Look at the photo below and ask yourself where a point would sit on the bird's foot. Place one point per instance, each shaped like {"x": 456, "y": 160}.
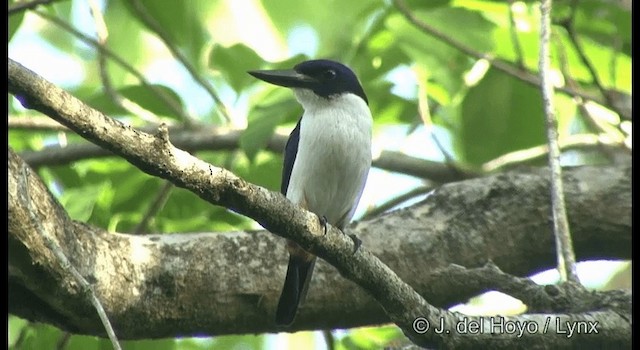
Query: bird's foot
{"x": 323, "y": 223}
{"x": 356, "y": 242}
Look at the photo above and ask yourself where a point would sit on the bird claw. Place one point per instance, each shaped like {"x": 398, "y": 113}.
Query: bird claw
{"x": 323, "y": 223}
{"x": 356, "y": 242}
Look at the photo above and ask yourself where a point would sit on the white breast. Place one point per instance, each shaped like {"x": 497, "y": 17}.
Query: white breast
{"x": 334, "y": 155}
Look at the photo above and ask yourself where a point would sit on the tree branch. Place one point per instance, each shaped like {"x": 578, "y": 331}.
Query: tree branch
{"x": 153, "y": 286}
{"x": 126, "y": 104}
{"x": 501, "y": 65}
{"x": 568, "y": 24}
{"x": 34, "y": 122}
{"x": 168, "y": 100}
{"x": 539, "y": 299}
{"x": 23, "y": 184}
{"x": 207, "y": 138}
{"x": 401, "y": 304}
{"x": 156, "y": 28}
{"x": 564, "y": 246}
{"x": 159, "y": 200}
{"x": 28, "y": 5}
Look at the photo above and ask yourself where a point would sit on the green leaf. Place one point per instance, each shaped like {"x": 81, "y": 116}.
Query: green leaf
{"x": 79, "y": 202}
{"x": 335, "y": 23}
{"x": 186, "y": 212}
{"x": 16, "y": 325}
{"x": 443, "y": 63}
{"x": 127, "y": 39}
{"x": 499, "y": 115}
{"x": 55, "y": 35}
{"x": 278, "y": 107}
{"x": 249, "y": 342}
{"x": 473, "y": 34}
{"x": 84, "y": 342}
{"x": 40, "y": 336}
{"x": 421, "y": 4}
{"x": 605, "y": 22}
{"x": 288, "y": 63}
{"x": 141, "y": 95}
{"x": 233, "y": 63}
{"x": 149, "y": 344}
{"x": 181, "y": 21}
{"x": 265, "y": 170}
{"x": 370, "y": 337}
{"x": 22, "y": 140}
{"x": 15, "y": 20}
{"x": 603, "y": 59}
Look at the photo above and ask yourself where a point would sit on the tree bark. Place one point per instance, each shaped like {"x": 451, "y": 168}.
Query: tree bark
{"x": 167, "y": 285}
{"x": 220, "y": 283}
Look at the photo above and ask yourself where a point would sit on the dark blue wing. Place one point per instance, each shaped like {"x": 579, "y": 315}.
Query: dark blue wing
{"x": 290, "y": 151}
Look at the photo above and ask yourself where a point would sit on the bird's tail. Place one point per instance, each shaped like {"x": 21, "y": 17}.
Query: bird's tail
{"x": 295, "y": 287}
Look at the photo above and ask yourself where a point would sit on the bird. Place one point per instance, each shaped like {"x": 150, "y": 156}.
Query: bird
{"x": 326, "y": 159}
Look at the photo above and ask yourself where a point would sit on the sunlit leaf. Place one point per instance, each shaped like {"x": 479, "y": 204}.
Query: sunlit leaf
{"x": 79, "y": 202}
{"x": 181, "y": 21}
{"x": 371, "y": 337}
{"x": 83, "y": 342}
{"x": 16, "y": 326}
{"x": 41, "y": 336}
{"x": 52, "y": 33}
{"x": 499, "y": 115}
{"x": 126, "y": 38}
{"x": 233, "y": 63}
{"x": 15, "y": 20}
{"x": 264, "y": 170}
{"x": 249, "y": 342}
{"x": 273, "y": 110}
{"x": 148, "y": 344}
{"x": 141, "y": 95}
{"x": 334, "y": 34}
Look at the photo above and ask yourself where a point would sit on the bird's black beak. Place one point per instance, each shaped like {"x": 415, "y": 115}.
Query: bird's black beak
{"x": 287, "y": 78}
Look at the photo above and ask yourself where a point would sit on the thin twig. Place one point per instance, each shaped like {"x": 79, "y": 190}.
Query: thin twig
{"x": 597, "y": 125}
{"x": 568, "y": 24}
{"x": 117, "y": 98}
{"x": 564, "y": 246}
{"x": 565, "y": 69}
{"x": 221, "y": 187}
{"x": 500, "y": 65}
{"x": 329, "y": 339}
{"x": 377, "y": 20}
{"x": 162, "y": 95}
{"x": 27, "y": 5}
{"x": 513, "y": 29}
{"x": 395, "y": 201}
{"x": 613, "y": 63}
{"x": 209, "y": 139}
{"x": 22, "y": 336}
{"x": 35, "y": 122}
{"x": 154, "y": 26}
{"x": 425, "y": 115}
{"x": 584, "y": 142}
{"x": 63, "y": 341}
{"x": 158, "y": 202}
{"x": 66, "y": 265}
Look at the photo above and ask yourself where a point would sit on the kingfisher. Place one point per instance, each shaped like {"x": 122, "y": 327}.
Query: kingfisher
{"x": 326, "y": 159}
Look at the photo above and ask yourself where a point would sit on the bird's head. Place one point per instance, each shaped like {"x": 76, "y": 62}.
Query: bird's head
{"x": 326, "y": 78}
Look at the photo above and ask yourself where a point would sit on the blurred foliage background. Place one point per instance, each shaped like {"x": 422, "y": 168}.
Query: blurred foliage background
{"x": 448, "y": 80}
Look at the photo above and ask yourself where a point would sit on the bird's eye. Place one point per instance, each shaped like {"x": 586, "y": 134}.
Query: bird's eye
{"x": 329, "y": 74}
